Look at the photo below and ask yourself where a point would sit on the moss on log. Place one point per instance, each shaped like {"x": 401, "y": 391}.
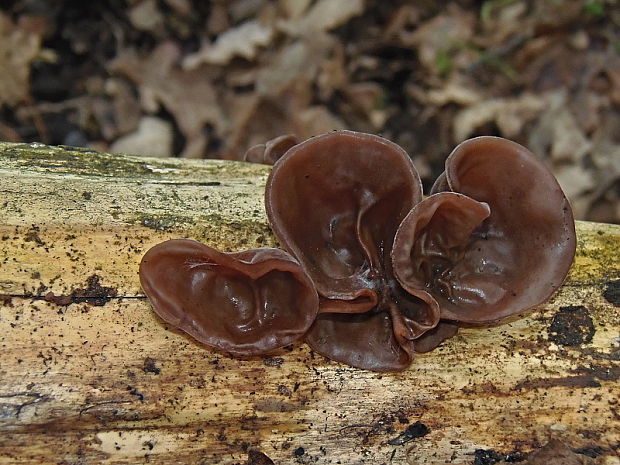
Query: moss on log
{"x": 89, "y": 374}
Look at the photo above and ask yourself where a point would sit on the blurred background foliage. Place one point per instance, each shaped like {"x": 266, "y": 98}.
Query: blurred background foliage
{"x": 208, "y": 79}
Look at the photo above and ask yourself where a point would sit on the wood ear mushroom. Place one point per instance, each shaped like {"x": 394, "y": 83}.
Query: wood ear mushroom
{"x": 373, "y": 273}
{"x": 244, "y": 303}
{"x": 497, "y": 236}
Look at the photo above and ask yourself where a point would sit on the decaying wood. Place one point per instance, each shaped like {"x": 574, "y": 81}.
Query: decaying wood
{"x": 89, "y": 374}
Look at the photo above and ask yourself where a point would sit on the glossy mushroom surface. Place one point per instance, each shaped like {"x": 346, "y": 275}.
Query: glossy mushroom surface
{"x": 500, "y": 242}
{"x": 434, "y": 337}
{"x": 373, "y": 273}
{"x": 335, "y": 203}
{"x": 244, "y": 303}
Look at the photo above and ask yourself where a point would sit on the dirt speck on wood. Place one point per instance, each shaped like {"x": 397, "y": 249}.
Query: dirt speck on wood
{"x": 571, "y": 326}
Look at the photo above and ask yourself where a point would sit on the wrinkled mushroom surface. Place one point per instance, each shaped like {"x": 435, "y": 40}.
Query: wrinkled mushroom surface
{"x": 501, "y": 242}
{"x": 373, "y": 273}
{"x": 244, "y": 303}
{"x": 335, "y": 203}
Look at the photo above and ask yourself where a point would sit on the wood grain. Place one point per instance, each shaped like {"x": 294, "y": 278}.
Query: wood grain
{"x": 89, "y": 374}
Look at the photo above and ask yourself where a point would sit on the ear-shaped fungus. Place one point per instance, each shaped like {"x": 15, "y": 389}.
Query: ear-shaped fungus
{"x": 501, "y": 242}
{"x": 271, "y": 151}
{"x": 335, "y": 203}
{"x": 375, "y": 273}
{"x": 244, "y": 303}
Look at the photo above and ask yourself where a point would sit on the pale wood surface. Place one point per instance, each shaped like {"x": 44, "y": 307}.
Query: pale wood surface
{"x": 108, "y": 383}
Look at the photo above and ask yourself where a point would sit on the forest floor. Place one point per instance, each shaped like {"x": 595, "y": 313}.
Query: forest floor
{"x": 210, "y": 79}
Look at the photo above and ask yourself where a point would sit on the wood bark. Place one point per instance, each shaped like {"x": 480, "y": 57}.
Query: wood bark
{"x": 89, "y": 374}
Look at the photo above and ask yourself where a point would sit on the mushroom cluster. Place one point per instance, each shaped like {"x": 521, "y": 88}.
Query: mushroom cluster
{"x": 371, "y": 272}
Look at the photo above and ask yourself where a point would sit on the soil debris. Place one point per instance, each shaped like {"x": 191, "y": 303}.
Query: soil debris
{"x": 273, "y": 361}
{"x": 150, "y": 367}
{"x": 256, "y": 457}
{"x": 572, "y": 326}
{"x": 612, "y": 292}
{"x": 416, "y": 430}
{"x": 93, "y": 294}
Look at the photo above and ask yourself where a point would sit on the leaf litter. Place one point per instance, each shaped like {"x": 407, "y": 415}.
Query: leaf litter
{"x": 210, "y": 79}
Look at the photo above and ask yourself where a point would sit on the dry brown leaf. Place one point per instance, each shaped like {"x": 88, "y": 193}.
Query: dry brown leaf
{"x": 504, "y": 21}
{"x": 316, "y": 120}
{"x": 614, "y": 77}
{"x": 126, "y": 107}
{"x": 575, "y": 181}
{"x": 456, "y": 90}
{"x": 242, "y": 41}
{"x": 219, "y": 20}
{"x": 243, "y": 107}
{"x": 333, "y": 74}
{"x": 188, "y": 95}
{"x": 401, "y": 25}
{"x": 80, "y": 108}
{"x": 605, "y": 210}
{"x": 324, "y": 15}
{"x": 153, "y": 138}
{"x": 146, "y": 16}
{"x": 510, "y": 115}
{"x": 293, "y": 62}
{"x": 192, "y": 100}
{"x": 19, "y": 45}
{"x": 182, "y": 7}
{"x": 8, "y": 134}
{"x": 441, "y": 33}
{"x": 558, "y": 133}
{"x": 364, "y": 96}
{"x": 605, "y": 158}
{"x": 255, "y": 120}
{"x": 587, "y": 107}
{"x": 299, "y": 60}
{"x": 604, "y": 202}
{"x": 556, "y": 14}
{"x": 606, "y": 139}
{"x": 148, "y": 70}
{"x": 569, "y": 143}
{"x": 104, "y": 114}
{"x": 293, "y": 9}
{"x": 243, "y": 9}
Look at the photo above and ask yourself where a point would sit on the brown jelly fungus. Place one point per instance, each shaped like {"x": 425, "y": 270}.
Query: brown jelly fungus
{"x": 271, "y": 151}
{"x": 373, "y": 273}
{"x": 335, "y": 202}
{"x": 497, "y": 237}
{"x": 244, "y": 303}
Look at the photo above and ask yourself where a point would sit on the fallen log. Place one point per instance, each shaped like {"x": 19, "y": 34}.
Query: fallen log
{"x": 89, "y": 374}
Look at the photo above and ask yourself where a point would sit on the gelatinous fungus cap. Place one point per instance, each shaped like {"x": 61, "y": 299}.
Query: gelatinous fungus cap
{"x": 335, "y": 203}
{"x": 496, "y": 237}
{"x": 243, "y": 303}
{"x": 373, "y": 273}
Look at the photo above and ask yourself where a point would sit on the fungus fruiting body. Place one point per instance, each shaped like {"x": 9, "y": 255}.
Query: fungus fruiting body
{"x": 373, "y": 273}
{"x": 335, "y": 203}
{"x": 244, "y": 303}
{"x": 271, "y": 151}
{"x": 496, "y": 237}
